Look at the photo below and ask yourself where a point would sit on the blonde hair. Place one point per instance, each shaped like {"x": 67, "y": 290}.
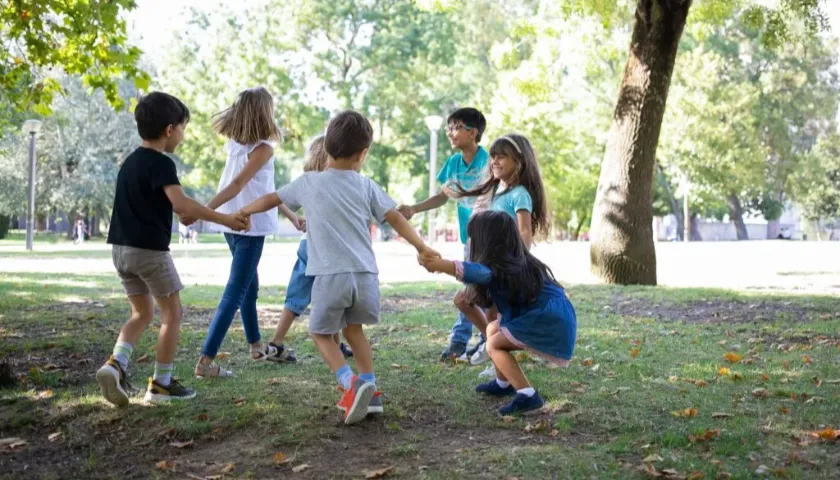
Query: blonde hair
{"x": 250, "y": 118}
{"x": 316, "y": 156}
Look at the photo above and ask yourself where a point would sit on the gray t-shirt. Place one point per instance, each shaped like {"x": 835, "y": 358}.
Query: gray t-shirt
{"x": 339, "y": 205}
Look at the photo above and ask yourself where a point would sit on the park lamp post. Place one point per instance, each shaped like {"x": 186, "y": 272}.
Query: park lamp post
{"x": 31, "y": 127}
{"x": 433, "y": 123}
{"x": 683, "y": 190}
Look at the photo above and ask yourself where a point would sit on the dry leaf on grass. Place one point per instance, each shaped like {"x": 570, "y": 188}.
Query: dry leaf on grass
{"x": 508, "y": 419}
{"x": 143, "y": 359}
{"x": 688, "y": 412}
{"x": 382, "y": 472}
{"x": 587, "y": 362}
{"x": 554, "y": 433}
{"x": 722, "y": 415}
{"x": 833, "y": 382}
{"x": 222, "y": 355}
{"x": 536, "y": 427}
{"x": 705, "y": 436}
{"x": 806, "y": 359}
{"x": 764, "y": 377}
{"x": 203, "y": 417}
{"x": 695, "y": 476}
{"x": 723, "y": 371}
{"x": 300, "y": 468}
{"x": 167, "y": 432}
{"x": 733, "y": 357}
{"x": 280, "y": 458}
{"x": 784, "y": 411}
{"x": 13, "y": 442}
{"x": 180, "y": 445}
{"x": 44, "y": 394}
{"x": 634, "y": 352}
{"x": 653, "y": 459}
{"x": 54, "y": 436}
{"x": 274, "y": 381}
{"x": 817, "y": 381}
{"x": 700, "y": 383}
{"x": 164, "y": 465}
{"x": 239, "y": 401}
{"x": 228, "y": 468}
{"x": 760, "y": 393}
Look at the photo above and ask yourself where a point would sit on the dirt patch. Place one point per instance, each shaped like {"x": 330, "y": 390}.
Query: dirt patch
{"x": 720, "y": 311}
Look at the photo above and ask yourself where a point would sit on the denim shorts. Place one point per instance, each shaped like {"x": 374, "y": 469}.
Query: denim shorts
{"x": 299, "y": 291}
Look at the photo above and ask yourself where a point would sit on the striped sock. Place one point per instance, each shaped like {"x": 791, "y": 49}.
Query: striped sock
{"x": 163, "y": 373}
{"x": 122, "y": 352}
{"x": 344, "y": 375}
{"x": 368, "y": 377}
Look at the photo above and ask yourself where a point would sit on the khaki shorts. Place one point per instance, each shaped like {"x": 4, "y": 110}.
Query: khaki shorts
{"x": 343, "y": 299}
{"x": 146, "y": 271}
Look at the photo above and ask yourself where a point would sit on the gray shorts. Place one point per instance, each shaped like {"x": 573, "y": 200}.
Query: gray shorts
{"x": 146, "y": 271}
{"x": 344, "y": 299}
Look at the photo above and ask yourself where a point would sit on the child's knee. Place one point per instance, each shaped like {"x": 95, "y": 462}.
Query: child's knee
{"x": 461, "y": 301}
{"x": 492, "y": 328}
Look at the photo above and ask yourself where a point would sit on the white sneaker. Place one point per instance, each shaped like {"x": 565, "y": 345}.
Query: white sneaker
{"x": 480, "y": 356}
{"x": 488, "y": 372}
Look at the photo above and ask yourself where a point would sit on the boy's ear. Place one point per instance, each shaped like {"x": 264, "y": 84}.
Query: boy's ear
{"x": 363, "y": 154}
{"x": 168, "y": 130}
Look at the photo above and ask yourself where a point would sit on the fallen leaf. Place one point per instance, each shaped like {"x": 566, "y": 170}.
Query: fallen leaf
{"x": 239, "y": 401}
{"x": 54, "y": 436}
{"x": 167, "y": 432}
{"x": 760, "y": 393}
{"x": 653, "y": 459}
{"x": 833, "y": 382}
{"x": 143, "y": 359}
{"x": 806, "y": 359}
{"x": 695, "y": 476}
{"x": 554, "y": 433}
{"x": 723, "y": 476}
{"x": 280, "y": 458}
{"x": 817, "y": 381}
{"x": 50, "y": 366}
{"x": 396, "y": 365}
{"x": 587, "y": 362}
{"x": 673, "y": 379}
{"x": 733, "y": 357}
{"x": 164, "y": 465}
{"x": 723, "y": 371}
{"x": 765, "y": 377}
{"x": 203, "y": 417}
{"x": 814, "y": 400}
{"x": 44, "y": 394}
{"x": 722, "y": 415}
{"x": 737, "y": 376}
{"x": 705, "y": 436}
{"x": 635, "y": 352}
{"x": 650, "y": 471}
{"x": 508, "y": 419}
{"x": 784, "y": 411}
{"x": 700, "y": 383}
{"x": 786, "y": 365}
{"x": 228, "y": 468}
{"x": 382, "y": 472}
{"x": 222, "y": 356}
{"x": 688, "y": 412}
{"x": 12, "y": 443}
{"x": 274, "y": 381}
{"x": 722, "y": 342}
{"x": 300, "y": 468}
{"x": 536, "y": 427}
{"x": 761, "y": 470}
{"x": 180, "y": 445}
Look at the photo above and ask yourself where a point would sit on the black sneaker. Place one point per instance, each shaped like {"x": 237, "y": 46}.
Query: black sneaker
{"x": 113, "y": 382}
{"x": 346, "y": 350}
{"x": 174, "y": 391}
{"x": 279, "y": 354}
{"x": 455, "y": 349}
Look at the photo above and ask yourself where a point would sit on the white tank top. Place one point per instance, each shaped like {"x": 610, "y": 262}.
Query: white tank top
{"x": 262, "y": 224}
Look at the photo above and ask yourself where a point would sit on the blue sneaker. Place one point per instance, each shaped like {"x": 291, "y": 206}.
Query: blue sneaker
{"x": 493, "y": 388}
{"x": 522, "y": 403}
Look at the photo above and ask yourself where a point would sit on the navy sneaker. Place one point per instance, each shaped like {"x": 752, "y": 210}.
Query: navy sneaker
{"x": 493, "y": 388}
{"x": 522, "y": 403}
{"x": 345, "y": 350}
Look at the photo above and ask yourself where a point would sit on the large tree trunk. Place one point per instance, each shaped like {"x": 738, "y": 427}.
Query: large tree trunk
{"x": 622, "y": 249}
{"x": 736, "y": 215}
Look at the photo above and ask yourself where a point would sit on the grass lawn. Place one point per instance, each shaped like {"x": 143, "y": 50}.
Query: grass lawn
{"x": 650, "y": 392}
{"x": 18, "y": 238}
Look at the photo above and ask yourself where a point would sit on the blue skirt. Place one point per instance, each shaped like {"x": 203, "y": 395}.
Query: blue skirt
{"x": 548, "y": 331}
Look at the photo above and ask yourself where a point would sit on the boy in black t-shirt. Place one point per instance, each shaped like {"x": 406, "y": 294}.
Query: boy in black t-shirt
{"x": 147, "y": 192}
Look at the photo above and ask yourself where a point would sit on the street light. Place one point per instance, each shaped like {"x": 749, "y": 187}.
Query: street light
{"x": 433, "y": 123}
{"x": 31, "y": 127}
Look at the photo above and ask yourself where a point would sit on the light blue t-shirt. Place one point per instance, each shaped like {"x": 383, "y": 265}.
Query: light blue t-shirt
{"x": 456, "y": 172}
{"x": 512, "y": 200}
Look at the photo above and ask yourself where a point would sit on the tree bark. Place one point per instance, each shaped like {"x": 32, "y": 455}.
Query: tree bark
{"x": 576, "y": 233}
{"x": 695, "y": 228}
{"x": 736, "y": 215}
{"x": 622, "y": 249}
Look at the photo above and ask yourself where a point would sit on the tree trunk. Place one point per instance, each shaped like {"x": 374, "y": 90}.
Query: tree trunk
{"x": 736, "y": 215}
{"x": 622, "y": 249}
{"x": 695, "y": 228}
{"x": 576, "y": 233}
{"x": 672, "y": 200}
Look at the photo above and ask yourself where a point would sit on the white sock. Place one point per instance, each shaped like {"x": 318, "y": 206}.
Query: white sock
{"x": 502, "y": 383}
{"x": 122, "y": 352}
{"x": 527, "y": 391}
{"x": 163, "y": 373}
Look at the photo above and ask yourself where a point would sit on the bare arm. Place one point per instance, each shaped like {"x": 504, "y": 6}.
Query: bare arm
{"x": 439, "y": 265}
{"x": 523, "y": 218}
{"x": 406, "y": 231}
{"x": 298, "y": 222}
{"x": 256, "y": 160}
{"x": 184, "y": 205}
{"x": 436, "y": 201}
{"x": 262, "y": 204}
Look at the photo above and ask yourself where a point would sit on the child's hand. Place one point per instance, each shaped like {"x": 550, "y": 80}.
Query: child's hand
{"x": 299, "y": 223}
{"x": 425, "y": 262}
{"x": 186, "y": 220}
{"x": 428, "y": 254}
{"x": 238, "y": 221}
{"x": 406, "y": 211}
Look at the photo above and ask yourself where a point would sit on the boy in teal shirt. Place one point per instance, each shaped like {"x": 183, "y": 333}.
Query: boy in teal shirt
{"x": 467, "y": 168}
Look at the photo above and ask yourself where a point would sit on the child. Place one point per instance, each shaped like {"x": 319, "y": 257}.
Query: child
{"x": 299, "y": 292}
{"x": 466, "y": 168}
{"x": 249, "y": 174}
{"x": 339, "y": 203}
{"x": 535, "y": 312}
{"x": 516, "y": 188}
{"x": 147, "y": 192}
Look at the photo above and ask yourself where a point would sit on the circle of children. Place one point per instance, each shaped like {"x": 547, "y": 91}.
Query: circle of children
{"x": 510, "y": 296}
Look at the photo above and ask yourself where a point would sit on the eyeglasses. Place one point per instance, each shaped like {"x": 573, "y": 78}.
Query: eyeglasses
{"x": 455, "y": 127}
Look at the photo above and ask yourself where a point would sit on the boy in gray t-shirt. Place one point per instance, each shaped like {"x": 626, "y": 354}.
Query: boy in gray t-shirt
{"x": 339, "y": 203}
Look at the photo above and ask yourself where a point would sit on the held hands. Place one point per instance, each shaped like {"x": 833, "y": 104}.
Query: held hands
{"x": 299, "y": 223}
{"x": 186, "y": 220}
{"x": 406, "y": 211}
{"x": 426, "y": 256}
{"x": 239, "y": 221}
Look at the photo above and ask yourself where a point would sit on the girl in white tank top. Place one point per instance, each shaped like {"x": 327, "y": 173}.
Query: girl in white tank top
{"x": 249, "y": 174}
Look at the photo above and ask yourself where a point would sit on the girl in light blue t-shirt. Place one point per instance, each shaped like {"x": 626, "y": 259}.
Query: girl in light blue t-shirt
{"x": 515, "y": 187}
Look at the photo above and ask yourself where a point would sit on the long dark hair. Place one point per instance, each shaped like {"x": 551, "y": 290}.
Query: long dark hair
{"x": 495, "y": 243}
{"x": 519, "y": 149}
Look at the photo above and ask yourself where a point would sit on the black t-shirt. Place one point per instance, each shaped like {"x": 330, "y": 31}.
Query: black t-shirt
{"x": 142, "y": 215}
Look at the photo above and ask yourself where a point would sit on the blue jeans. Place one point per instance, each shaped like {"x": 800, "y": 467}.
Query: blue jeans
{"x": 240, "y": 293}
{"x": 462, "y": 330}
{"x": 299, "y": 291}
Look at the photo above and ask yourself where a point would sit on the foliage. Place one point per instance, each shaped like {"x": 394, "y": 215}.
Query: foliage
{"x": 817, "y": 184}
{"x": 43, "y": 39}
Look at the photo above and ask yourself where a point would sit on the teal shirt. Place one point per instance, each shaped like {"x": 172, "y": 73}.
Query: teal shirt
{"x": 512, "y": 200}
{"x": 456, "y": 172}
